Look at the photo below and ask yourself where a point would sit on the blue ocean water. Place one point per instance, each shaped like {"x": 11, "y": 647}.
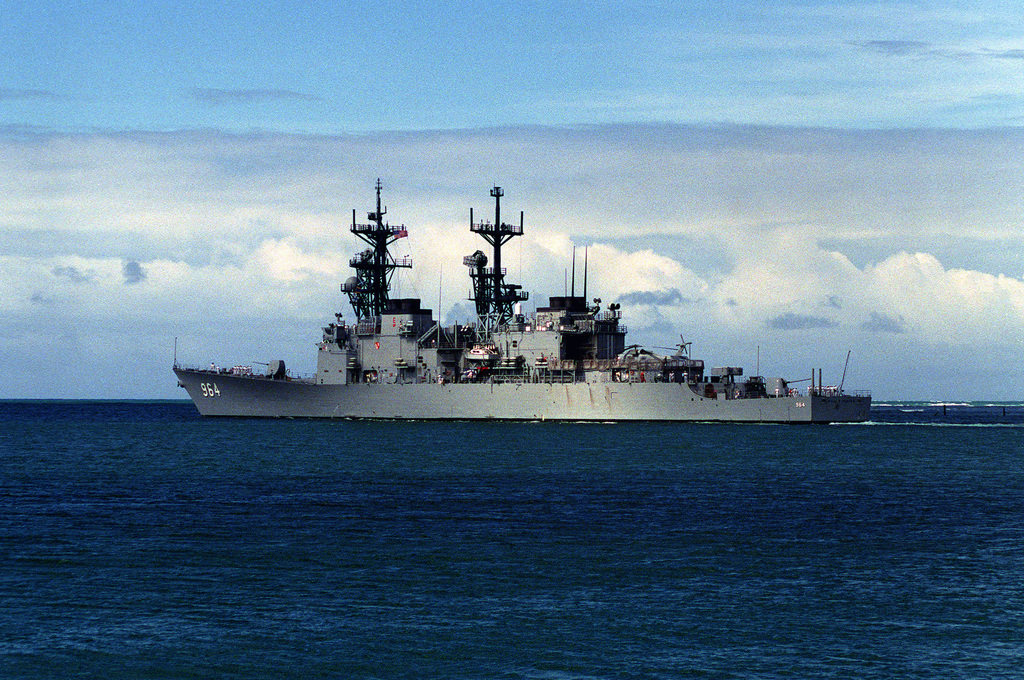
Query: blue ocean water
{"x": 138, "y": 540}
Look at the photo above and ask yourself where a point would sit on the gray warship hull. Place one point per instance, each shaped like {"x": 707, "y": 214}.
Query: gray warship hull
{"x": 564, "y": 361}
{"x": 223, "y": 394}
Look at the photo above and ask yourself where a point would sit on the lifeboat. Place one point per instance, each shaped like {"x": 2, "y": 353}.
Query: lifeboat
{"x": 482, "y": 353}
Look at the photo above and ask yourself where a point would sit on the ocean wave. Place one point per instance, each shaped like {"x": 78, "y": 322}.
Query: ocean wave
{"x": 911, "y": 423}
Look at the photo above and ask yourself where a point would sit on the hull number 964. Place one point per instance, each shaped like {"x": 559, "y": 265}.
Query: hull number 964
{"x": 209, "y": 389}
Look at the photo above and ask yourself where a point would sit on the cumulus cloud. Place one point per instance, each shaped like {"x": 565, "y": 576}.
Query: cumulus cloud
{"x": 949, "y": 305}
{"x": 735, "y": 236}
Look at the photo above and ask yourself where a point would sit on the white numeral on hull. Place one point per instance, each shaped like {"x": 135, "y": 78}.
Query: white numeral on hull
{"x": 210, "y": 389}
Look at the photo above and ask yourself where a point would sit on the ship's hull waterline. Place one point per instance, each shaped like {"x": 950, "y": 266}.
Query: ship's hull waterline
{"x": 224, "y": 394}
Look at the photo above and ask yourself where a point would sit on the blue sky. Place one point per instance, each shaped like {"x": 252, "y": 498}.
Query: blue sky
{"x": 786, "y": 181}
{"x": 326, "y": 67}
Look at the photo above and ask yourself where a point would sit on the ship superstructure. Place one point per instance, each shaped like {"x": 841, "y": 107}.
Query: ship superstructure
{"x": 568, "y": 360}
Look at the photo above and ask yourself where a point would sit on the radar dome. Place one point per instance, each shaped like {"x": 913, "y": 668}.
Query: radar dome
{"x": 351, "y": 283}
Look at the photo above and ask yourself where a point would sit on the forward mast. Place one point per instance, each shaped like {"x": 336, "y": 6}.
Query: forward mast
{"x": 368, "y": 290}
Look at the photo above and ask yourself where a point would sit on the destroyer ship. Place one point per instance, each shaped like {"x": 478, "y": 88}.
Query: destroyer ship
{"x": 567, "y": 360}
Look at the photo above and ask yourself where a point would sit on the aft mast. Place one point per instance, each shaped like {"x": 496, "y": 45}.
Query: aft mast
{"x": 368, "y": 289}
{"x": 495, "y": 299}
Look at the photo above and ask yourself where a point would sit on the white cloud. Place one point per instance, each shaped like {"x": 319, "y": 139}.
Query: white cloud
{"x": 806, "y": 239}
{"x": 953, "y": 306}
{"x": 285, "y": 261}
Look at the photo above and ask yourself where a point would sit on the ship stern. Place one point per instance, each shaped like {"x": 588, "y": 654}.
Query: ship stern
{"x": 841, "y": 408}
